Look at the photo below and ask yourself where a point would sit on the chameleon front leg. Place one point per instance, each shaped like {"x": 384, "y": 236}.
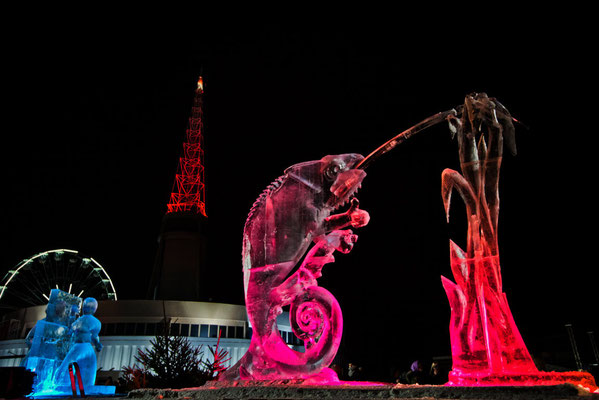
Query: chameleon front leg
{"x": 354, "y": 217}
{"x": 322, "y": 252}
{"x": 310, "y": 270}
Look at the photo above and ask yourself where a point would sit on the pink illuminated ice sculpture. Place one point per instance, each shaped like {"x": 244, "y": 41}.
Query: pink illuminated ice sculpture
{"x": 291, "y": 233}
{"x": 486, "y": 346}
{"x": 293, "y": 213}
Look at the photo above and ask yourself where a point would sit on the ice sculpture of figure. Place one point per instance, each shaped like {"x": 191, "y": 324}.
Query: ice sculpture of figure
{"x": 60, "y": 339}
{"x": 50, "y": 339}
{"x": 85, "y": 335}
{"x": 486, "y": 346}
{"x": 293, "y": 212}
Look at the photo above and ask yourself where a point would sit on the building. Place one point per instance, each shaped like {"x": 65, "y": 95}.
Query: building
{"x": 130, "y": 325}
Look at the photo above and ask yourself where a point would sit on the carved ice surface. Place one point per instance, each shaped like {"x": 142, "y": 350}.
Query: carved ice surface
{"x": 486, "y": 346}
{"x": 291, "y": 214}
{"x": 294, "y": 212}
{"x": 61, "y": 339}
{"x": 50, "y": 339}
{"x": 85, "y": 334}
{"x": 484, "y": 336}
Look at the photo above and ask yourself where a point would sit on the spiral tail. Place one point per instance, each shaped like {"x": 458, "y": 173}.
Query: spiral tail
{"x": 316, "y": 319}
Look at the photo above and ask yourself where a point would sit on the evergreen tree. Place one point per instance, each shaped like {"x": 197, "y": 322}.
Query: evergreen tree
{"x": 173, "y": 362}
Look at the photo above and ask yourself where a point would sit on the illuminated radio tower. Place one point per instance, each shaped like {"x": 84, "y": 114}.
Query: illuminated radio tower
{"x": 181, "y": 255}
{"x": 189, "y": 190}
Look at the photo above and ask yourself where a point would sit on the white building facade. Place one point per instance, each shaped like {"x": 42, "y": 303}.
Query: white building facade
{"x": 129, "y": 326}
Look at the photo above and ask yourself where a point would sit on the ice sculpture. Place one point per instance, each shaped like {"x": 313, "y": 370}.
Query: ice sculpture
{"x": 50, "y": 339}
{"x": 85, "y": 334}
{"x": 486, "y": 346}
{"x": 62, "y": 339}
{"x": 293, "y": 212}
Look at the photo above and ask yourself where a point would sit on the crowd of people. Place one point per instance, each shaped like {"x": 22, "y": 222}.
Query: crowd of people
{"x": 419, "y": 373}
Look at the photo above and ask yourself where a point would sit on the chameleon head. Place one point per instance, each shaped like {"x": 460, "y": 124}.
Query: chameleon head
{"x": 332, "y": 178}
{"x": 346, "y": 180}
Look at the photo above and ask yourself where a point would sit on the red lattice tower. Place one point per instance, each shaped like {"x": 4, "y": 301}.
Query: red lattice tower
{"x": 189, "y": 190}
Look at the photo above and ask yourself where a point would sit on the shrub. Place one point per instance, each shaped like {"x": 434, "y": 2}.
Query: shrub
{"x": 173, "y": 362}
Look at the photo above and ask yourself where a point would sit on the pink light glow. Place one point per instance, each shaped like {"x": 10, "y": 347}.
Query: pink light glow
{"x": 289, "y": 216}
{"x": 484, "y": 337}
{"x": 486, "y": 346}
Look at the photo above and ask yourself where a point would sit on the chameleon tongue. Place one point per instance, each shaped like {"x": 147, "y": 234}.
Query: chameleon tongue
{"x": 391, "y": 143}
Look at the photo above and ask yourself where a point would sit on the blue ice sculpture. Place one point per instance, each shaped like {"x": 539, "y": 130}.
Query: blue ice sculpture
{"x": 50, "y": 339}
{"x": 62, "y": 339}
{"x": 85, "y": 336}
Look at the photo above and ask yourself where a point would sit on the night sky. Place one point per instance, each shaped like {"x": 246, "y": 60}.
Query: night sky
{"x": 97, "y": 116}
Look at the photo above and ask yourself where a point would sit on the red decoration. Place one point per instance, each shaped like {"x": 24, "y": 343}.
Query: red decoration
{"x": 189, "y": 190}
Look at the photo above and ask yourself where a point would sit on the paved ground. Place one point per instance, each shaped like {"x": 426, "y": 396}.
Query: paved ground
{"x": 293, "y": 392}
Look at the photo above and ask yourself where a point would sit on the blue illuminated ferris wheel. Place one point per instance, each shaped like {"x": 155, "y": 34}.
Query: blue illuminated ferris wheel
{"x": 30, "y": 281}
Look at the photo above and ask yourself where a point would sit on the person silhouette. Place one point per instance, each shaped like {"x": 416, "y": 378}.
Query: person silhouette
{"x": 416, "y": 374}
{"x": 85, "y": 334}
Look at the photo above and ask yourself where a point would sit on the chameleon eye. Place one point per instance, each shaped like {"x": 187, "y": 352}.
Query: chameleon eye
{"x": 332, "y": 171}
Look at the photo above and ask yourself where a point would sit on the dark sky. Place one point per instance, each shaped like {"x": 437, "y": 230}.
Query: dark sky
{"x": 97, "y": 117}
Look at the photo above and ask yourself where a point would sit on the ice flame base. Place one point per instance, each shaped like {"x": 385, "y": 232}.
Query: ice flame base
{"x": 580, "y": 379}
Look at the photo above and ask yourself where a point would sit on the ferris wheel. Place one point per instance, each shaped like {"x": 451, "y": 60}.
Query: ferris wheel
{"x": 30, "y": 282}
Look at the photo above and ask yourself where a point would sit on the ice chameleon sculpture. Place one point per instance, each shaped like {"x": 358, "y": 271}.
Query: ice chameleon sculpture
{"x": 291, "y": 214}
{"x": 294, "y": 211}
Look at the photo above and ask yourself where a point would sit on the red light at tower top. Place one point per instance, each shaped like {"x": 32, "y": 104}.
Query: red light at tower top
{"x": 189, "y": 190}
